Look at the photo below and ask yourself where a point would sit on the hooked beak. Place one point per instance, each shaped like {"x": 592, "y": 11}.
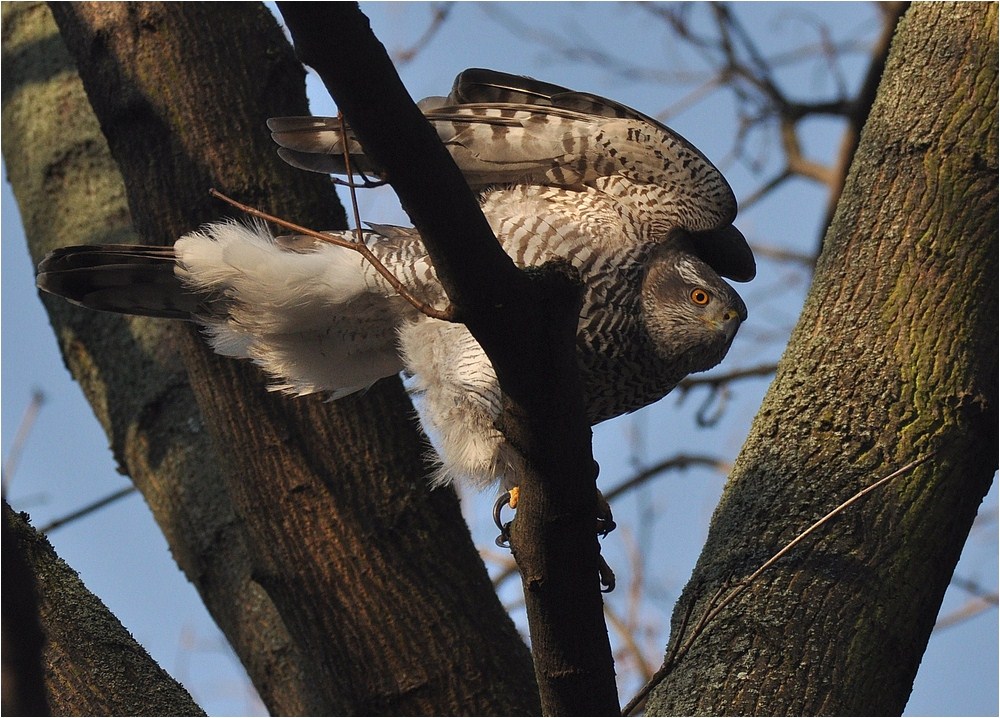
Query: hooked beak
{"x": 730, "y": 322}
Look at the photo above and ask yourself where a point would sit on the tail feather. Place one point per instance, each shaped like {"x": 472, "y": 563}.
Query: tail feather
{"x": 307, "y": 312}
{"x": 128, "y": 279}
{"x": 316, "y": 144}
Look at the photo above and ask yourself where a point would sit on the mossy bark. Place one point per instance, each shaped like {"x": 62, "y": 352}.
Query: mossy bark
{"x": 92, "y": 665}
{"x": 894, "y": 358}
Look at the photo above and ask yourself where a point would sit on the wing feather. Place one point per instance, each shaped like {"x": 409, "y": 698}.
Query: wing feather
{"x": 507, "y": 129}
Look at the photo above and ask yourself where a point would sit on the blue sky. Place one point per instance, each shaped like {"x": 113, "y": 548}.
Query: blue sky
{"x": 120, "y": 553}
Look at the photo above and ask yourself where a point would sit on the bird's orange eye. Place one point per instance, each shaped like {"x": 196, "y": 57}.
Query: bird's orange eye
{"x": 699, "y": 296}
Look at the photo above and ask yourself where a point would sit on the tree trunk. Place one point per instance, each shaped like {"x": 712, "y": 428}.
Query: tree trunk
{"x": 893, "y": 359}
{"x": 342, "y": 581}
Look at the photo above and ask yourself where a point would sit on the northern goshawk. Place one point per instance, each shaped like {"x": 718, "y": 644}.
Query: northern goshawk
{"x": 640, "y": 213}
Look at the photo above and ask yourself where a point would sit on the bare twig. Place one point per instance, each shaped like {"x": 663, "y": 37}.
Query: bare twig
{"x": 779, "y": 254}
{"x": 351, "y": 187}
{"x": 971, "y": 587}
{"x": 23, "y": 432}
{"x": 447, "y": 314}
{"x": 670, "y": 660}
{"x": 681, "y": 461}
{"x": 797, "y": 162}
{"x": 746, "y": 583}
{"x": 766, "y": 188}
{"x": 717, "y": 380}
{"x": 972, "y": 608}
{"x": 439, "y": 13}
{"x": 88, "y": 509}
{"x": 627, "y": 634}
{"x": 983, "y": 599}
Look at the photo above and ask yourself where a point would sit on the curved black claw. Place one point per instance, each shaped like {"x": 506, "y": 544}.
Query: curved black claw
{"x": 607, "y": 576}
{"x": 503, "y": 540}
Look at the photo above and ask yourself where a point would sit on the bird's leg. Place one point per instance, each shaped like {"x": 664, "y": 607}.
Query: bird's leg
{"x": 366, "y": 181}
{"x": 513, "y": 495}
{"x": 606, "y": 574}
{"x": 605, "y": 525}
{"x": 605, "y": 519}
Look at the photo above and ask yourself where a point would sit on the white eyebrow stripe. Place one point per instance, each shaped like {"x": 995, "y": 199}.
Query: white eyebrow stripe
{"x": 688, "y": 271}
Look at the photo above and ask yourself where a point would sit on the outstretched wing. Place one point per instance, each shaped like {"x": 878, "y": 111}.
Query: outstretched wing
{"x": 507, "y": 129}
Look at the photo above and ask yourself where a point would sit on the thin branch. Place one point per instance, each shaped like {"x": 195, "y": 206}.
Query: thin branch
{"x": 448, "y": 314}
{"x": 674, "y": 463}
{"x": 780, "y": 254}
{"x": 972, "y": 608}
{"x": 797, "y": 162}
{"x": 970, "y": 586}
{"x": 746, "y": 583}
{"x": 983, "y": 599}
{"x": 440, "y": 13}
{"x": 631, "y": 647}
{"x": 766, "y": 188}
{"x": 21, "y": 437}
{"x": 671, "y": 658}
{"x": 717, "y": 380}
{"x": 88, "y": 509}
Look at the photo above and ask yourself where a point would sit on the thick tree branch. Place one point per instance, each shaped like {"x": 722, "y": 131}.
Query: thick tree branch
{"x": 93, "y": 666}
{"x": 526, "y": 322}
{"x": 23, "y": 637}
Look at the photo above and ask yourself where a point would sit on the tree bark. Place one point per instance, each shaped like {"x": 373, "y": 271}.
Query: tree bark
{"x": 341, "y": 547}
{"x": 93, "y": 666}
{"x": 24, "y": 692}
{"x": 893, "y": 359}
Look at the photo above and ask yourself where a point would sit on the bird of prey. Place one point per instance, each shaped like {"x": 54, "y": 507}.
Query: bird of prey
{"x": 641, "y": 214}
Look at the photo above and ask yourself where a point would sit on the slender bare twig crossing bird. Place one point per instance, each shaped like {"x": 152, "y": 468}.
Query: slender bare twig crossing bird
{"x": 641, "y": 214}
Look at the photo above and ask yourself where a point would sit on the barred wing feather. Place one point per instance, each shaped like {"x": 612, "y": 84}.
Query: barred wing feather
{"x": 506, "y": 129}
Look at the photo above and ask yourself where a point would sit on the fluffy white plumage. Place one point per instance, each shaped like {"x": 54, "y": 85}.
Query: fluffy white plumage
{"x": 307, "y": 317}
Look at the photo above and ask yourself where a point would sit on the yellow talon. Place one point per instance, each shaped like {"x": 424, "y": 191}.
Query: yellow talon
{"x": 512, "y": 500}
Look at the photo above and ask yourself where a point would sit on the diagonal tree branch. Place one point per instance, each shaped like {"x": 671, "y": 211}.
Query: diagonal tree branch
{"x": 92, "y": 664}
{"x": 530, "y": 348}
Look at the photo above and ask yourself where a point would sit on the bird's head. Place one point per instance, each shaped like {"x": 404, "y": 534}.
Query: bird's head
{"x": 690, "y": 312}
